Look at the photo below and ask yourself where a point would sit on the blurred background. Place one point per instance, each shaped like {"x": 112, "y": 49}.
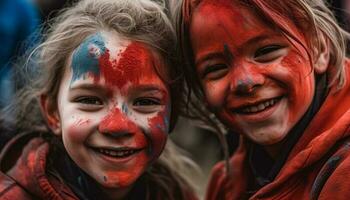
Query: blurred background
{"x": 21, "y": 23}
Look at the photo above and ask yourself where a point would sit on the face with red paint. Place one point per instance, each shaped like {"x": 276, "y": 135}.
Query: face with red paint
{"x": 113, "y": 109}
{"x": 257, "y": 81}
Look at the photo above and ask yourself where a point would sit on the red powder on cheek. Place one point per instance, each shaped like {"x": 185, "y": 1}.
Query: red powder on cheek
{"x": 126, "y": 69}
{"x": 77, "y": 131}
{"x": 158, "y": 132}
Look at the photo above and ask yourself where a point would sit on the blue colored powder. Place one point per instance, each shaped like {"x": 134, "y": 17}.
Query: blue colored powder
{"x": 85, "y": 60}
{"x": 125, "y": 109}
{"x": 166, "y": 122}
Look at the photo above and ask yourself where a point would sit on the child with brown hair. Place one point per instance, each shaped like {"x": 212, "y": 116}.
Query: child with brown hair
{"x": 274, "y": 72}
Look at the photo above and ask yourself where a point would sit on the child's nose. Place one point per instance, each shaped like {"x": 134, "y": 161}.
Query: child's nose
{"x": 116, "y": 124}
{"x": 246, "y": 80}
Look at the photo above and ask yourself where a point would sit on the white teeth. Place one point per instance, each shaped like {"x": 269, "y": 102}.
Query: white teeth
{"x": 117, "y": 153}
{"x": 112, "y": 153}
{"x": 267, "y": 103}
{"x": 260, "y": 107}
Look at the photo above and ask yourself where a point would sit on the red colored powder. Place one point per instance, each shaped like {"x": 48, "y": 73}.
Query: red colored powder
{"x": 116, "y": 122}
{"x": 158, "y": 133}
{"x": 126, "y": 69}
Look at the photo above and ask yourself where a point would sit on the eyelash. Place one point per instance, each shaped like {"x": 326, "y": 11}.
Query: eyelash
{"x": 146, "y": 101}
{"x": 214, "y": 71}
{"x": 88, "y": 100}
{"x": 266, "y": 53}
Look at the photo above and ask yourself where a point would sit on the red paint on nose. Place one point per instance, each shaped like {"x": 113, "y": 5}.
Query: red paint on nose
{"x": 127, "y": 69}
{"x": 117, "y": 122}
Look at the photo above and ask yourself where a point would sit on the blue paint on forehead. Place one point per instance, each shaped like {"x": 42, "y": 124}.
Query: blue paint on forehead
{"x": 86, "y": 57}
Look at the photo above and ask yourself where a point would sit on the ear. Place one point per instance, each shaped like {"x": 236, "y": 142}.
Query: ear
{"x": 51, "y": 114}
{"x": 322, "y": 62}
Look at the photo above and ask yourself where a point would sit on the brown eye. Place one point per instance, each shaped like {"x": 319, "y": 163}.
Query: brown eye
{"x": 89, "y": 103}
{"x": 269, "y": 53}
{"x": 89, "y": 100}
{"x": 146, "y": 102}
{"x": 147, "y": 105}
{"x": 215, "y": 71}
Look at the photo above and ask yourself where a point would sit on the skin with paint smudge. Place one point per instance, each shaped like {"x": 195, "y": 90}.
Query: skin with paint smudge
{"x": 113, "y": 109}
{"x": 255, "y": 80}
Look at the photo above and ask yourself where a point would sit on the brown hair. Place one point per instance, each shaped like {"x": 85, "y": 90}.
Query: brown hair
{"x": 311, "y": 17}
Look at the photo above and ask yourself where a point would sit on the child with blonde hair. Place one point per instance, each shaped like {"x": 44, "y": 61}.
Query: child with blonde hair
{"x": 98, "y": 112}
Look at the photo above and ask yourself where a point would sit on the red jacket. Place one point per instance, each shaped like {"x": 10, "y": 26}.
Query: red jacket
{"x": 318, "y": 166}
{"x": 25, "y": 176}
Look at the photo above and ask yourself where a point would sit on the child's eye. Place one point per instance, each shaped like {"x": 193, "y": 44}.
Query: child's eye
{"x": 269, "y": 53}
{"x": 214, "y": 72}
{"x": 146, "y": 104}
{"x": 89, "y": 101}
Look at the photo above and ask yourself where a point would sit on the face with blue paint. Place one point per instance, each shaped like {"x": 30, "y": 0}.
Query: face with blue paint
{"x": 113, "y": 108}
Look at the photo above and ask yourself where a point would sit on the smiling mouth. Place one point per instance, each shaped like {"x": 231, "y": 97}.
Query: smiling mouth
{"x": 257, "y": 107}
{"x": 116, "y": 152}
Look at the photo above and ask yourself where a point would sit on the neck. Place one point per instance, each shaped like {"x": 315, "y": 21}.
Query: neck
{"x": 117, "y": 193}
{"x": 274, "y": 150}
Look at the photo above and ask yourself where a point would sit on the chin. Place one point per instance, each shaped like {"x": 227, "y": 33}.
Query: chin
{"x": 121, "y": 181}
{"x": 267, "y": 139}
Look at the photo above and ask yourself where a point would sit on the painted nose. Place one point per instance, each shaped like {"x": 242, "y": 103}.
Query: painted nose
{"x": 246, "y": 80}
{"x": 116, "y": 124}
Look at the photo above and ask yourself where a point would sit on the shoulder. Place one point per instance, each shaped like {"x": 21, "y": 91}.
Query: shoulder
{"x": 216, "y": 181}
{"x": 336, "y": 173}
{"x": 10, "y": 190}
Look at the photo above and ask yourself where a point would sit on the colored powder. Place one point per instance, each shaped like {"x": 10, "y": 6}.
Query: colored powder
{"x": 157, "y": 133}
{"x": 86, "y": 57}
{"x": 116, "y": 122}
{"x": 125, "y": 109}
{"x": 126, "y": 69}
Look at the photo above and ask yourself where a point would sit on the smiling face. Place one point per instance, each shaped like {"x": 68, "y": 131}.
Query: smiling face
{"x": 254, "y": 79}
{"x": 113, "y": 109}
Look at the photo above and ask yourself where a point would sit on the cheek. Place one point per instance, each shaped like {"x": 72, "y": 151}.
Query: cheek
{"x": 158, "y": 132}
{"x": 77, "y": 130}
{"x": 215, "y": 93}
{"x": 299, "y": 78}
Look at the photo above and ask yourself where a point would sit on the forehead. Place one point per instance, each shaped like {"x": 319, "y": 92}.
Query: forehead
{"x": 227, "y": 18}
{"x": 114, "y": 59}
{"x": 234, "y": 22}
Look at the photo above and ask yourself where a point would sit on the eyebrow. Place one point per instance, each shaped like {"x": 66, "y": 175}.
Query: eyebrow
{"x": 145, "y": 87}
{"x": 226, "y": 51}
{"x": 149, "y": 88}
{"x": 87, "y": 86}
{"x": 208, "y": 57}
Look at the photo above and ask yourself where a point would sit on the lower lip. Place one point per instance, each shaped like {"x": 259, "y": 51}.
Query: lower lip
{"x": 116, "y": 160}
{"x": 262, "y": 115}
